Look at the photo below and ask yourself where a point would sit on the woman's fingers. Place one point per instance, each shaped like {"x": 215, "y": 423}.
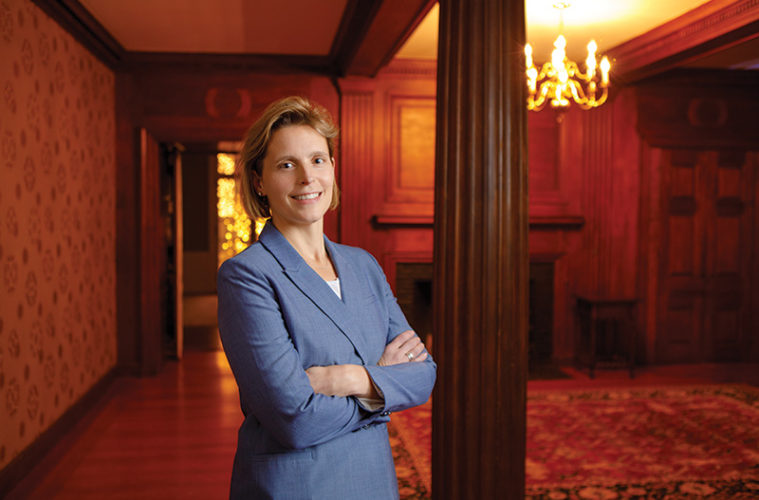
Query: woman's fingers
{"x": 401, "y": 339}
{"x": 419, "y": 352}
{"x": 411, "y": 344}
{"x": 413, "y": 349}
{"x": 404, "y": 348}
{"x": 317, "y": 377}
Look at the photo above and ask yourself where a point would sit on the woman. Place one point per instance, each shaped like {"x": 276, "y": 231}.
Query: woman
{"x": 321, "y": 352}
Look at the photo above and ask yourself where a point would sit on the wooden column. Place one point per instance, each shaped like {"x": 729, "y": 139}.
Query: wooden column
{"x": 481, "y": 254}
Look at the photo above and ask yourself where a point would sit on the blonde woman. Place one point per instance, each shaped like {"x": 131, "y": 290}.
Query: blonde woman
{"x": 321, "y": 352}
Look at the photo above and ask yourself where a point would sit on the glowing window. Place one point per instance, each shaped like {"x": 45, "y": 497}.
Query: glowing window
{"x": 234, "y": 224}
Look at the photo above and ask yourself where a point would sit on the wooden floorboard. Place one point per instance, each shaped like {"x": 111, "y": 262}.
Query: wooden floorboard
{"x": 174, "y": 435}
{"x": 170, "y": 436}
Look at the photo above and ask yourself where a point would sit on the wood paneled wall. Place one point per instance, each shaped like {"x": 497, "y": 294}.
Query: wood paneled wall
{"x": 599, "y": 156}
{"x": 387, "y": 163}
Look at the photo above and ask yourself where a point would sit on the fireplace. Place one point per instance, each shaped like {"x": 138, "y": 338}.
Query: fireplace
{"x": 540, "y": 346}
{"x": 413, "y": 285}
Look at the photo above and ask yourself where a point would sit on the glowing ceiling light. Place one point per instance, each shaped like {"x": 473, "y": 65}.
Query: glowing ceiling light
{"x": 560, "y": 79}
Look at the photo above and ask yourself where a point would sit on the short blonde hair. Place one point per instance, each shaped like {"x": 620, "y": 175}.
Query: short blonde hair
{"x": 285, "y": 112}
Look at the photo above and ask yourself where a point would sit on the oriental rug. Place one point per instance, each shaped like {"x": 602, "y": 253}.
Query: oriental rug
{"x": 410, "y": 438}
{"x": 656, "y": 442}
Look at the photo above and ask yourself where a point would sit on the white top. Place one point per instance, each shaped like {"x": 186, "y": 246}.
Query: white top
{"x": 335, "y": 286}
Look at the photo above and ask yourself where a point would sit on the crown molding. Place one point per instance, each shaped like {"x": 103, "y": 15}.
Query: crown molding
{"x": 706, "y": 29}
{"x": 72, "y": 16}
{"x": 410, "y": 68}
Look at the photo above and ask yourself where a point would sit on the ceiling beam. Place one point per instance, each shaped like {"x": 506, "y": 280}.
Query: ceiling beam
{"x": 372, "y": 31}
{"x": 357, "y": 18}
{"x": 704, "y": 30}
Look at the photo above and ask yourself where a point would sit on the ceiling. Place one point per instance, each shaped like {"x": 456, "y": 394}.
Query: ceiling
{"x": 311, "y": 28}
{"x": 609, "y": 23}
{"x": 294, "y": 27}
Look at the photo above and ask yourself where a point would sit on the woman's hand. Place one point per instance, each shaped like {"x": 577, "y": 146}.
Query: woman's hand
{"x": 341, "y": 380}
{"x": 404, "y": 348}
{"x": 354, "y": 380}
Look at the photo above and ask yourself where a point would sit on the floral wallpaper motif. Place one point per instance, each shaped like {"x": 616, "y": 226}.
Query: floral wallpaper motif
{"x": 57, "y": 223}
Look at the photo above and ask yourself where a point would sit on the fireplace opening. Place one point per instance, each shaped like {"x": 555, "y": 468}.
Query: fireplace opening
{"x": 540, "y": 345}
{"x": 413, "y": 286}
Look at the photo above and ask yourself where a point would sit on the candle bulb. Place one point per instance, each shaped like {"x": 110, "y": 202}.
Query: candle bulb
{"x": 605, "y": 67}
{"x": 590, "y": 62}
{"x": 528, "y": 55}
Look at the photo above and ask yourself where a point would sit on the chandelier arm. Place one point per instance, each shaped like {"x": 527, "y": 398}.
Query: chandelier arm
{"x": 579, "y": 75}
{"x": 546, "y": 71}
{"x": 572, "y": 69}
{"x": 544, "y": 89}
{"x": 604, "y": 95}
{"x": 577, "y": 93}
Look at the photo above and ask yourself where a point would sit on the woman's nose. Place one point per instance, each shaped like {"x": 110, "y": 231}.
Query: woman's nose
{"x": 306, "y": 175}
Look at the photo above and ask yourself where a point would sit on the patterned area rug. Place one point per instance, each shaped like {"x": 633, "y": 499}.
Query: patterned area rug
{"x": 666, "y": 442}
{"x": 410, "y": 437}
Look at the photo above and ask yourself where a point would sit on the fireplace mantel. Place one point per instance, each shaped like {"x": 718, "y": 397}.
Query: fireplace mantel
{"x": 537, "y": 222}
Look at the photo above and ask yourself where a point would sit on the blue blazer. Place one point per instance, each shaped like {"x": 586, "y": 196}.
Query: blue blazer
{"x": 277, "y": 317}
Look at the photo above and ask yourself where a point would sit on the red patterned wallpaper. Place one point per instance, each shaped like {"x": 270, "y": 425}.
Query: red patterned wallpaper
{"x": 57, "y": 223}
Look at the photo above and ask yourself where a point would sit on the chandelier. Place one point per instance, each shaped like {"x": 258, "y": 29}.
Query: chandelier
{"x": 560, "y": 79}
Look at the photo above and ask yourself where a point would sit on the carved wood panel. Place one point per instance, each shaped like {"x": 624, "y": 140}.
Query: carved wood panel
{"x": 705, "y": 257}
{"x": 409, "y": 176}
{"x": 729, "y": 250}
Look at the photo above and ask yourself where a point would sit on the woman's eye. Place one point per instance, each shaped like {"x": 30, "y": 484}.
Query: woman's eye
{"x": 319, "y": 160}
{"x": 286, "y": 164}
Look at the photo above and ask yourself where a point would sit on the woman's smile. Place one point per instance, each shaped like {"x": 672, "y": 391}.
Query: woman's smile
{"x": 306, "y": 197}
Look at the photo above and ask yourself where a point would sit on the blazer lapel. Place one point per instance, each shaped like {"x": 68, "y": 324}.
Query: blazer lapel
{"x": 315, "y": 288}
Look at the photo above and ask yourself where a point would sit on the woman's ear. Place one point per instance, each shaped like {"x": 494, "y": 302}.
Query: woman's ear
{"x": 257, "y": 184}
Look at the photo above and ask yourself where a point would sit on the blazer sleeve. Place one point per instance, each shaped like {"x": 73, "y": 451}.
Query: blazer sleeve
{"x": 404, "y": 385}
{"x": 273, "y": 384}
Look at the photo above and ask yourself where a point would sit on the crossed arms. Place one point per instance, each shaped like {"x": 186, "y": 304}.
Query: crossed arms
{"x": 302, "y": 408}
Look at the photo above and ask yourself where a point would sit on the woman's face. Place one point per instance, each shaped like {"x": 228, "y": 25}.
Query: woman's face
{"x": 297, "y": 176}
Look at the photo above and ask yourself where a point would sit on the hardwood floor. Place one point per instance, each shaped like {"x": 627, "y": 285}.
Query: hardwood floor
{"x": 174, "y": 435}
{"x": 171, "y": 436}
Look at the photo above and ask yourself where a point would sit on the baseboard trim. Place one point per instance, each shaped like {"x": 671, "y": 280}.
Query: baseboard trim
{"x": 35, "y": 460}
